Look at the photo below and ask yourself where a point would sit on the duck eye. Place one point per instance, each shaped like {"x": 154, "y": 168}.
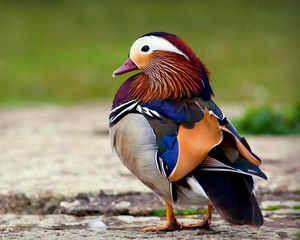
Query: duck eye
{"x": 145, "y": 48}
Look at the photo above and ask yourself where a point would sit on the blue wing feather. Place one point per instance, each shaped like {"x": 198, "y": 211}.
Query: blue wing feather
{"x": 168, "y": 151}
{"x": 182, "y": 112}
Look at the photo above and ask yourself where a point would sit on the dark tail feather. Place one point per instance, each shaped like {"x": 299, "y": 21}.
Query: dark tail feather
{"x": 257, "y": 217}
{"x": 231, "y": 195}
{"x": 250, "y": 215}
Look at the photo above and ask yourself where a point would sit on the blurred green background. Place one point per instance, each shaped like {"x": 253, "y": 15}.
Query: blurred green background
{"x": 63, "y": 52}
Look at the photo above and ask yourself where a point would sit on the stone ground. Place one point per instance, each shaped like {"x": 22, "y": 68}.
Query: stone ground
{"x": 60, "y": 180}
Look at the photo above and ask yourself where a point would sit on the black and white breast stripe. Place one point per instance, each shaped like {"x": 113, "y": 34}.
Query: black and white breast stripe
{"x": 117, "y": 113}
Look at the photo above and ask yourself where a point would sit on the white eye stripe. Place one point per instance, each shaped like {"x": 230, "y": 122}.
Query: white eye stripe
{"x": 154, "y": 43}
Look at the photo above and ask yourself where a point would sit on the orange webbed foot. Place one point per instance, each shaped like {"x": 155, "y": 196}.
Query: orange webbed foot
{"x": 171, "y": 225}
{"x": 166, "y": 227}
{"x": 204, "y": 223}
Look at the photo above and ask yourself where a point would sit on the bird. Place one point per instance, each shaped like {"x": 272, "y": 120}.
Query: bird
{"x": 167, "y": 130}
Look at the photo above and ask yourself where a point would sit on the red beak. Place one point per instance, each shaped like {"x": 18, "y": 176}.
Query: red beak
{"x": 128, "y": 66}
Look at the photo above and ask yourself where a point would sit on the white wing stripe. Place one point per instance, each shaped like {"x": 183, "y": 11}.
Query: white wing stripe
{"x": 122, "y": 105}
{"x": 125, "y": 110}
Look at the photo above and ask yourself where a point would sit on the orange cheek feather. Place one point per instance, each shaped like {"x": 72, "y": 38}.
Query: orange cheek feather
{"x": 142, "y": 60}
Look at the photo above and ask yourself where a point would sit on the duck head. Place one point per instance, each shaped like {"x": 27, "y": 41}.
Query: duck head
{"x": 169, "y": 69}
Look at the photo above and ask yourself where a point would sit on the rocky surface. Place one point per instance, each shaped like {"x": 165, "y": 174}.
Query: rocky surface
{"x": 125, "y": 227}
{"x": 59, "y": 178}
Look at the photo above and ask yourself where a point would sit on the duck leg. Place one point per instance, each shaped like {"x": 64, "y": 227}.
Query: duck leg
{"x": 204, "y": 223}
{"x": 171, "y": 224}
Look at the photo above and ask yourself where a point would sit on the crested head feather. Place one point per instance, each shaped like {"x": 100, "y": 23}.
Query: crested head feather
{"x": 179, "y": 44}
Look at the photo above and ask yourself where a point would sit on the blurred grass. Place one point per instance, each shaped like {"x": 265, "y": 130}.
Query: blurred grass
{"x": 270, "y": 120}
{"x": 65, "y": 51}
{"x": 272, "y": 208}
{"x": 187, "y": 211}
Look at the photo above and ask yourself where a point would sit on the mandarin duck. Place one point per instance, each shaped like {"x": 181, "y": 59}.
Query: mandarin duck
{"x": 167, "y": 130}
